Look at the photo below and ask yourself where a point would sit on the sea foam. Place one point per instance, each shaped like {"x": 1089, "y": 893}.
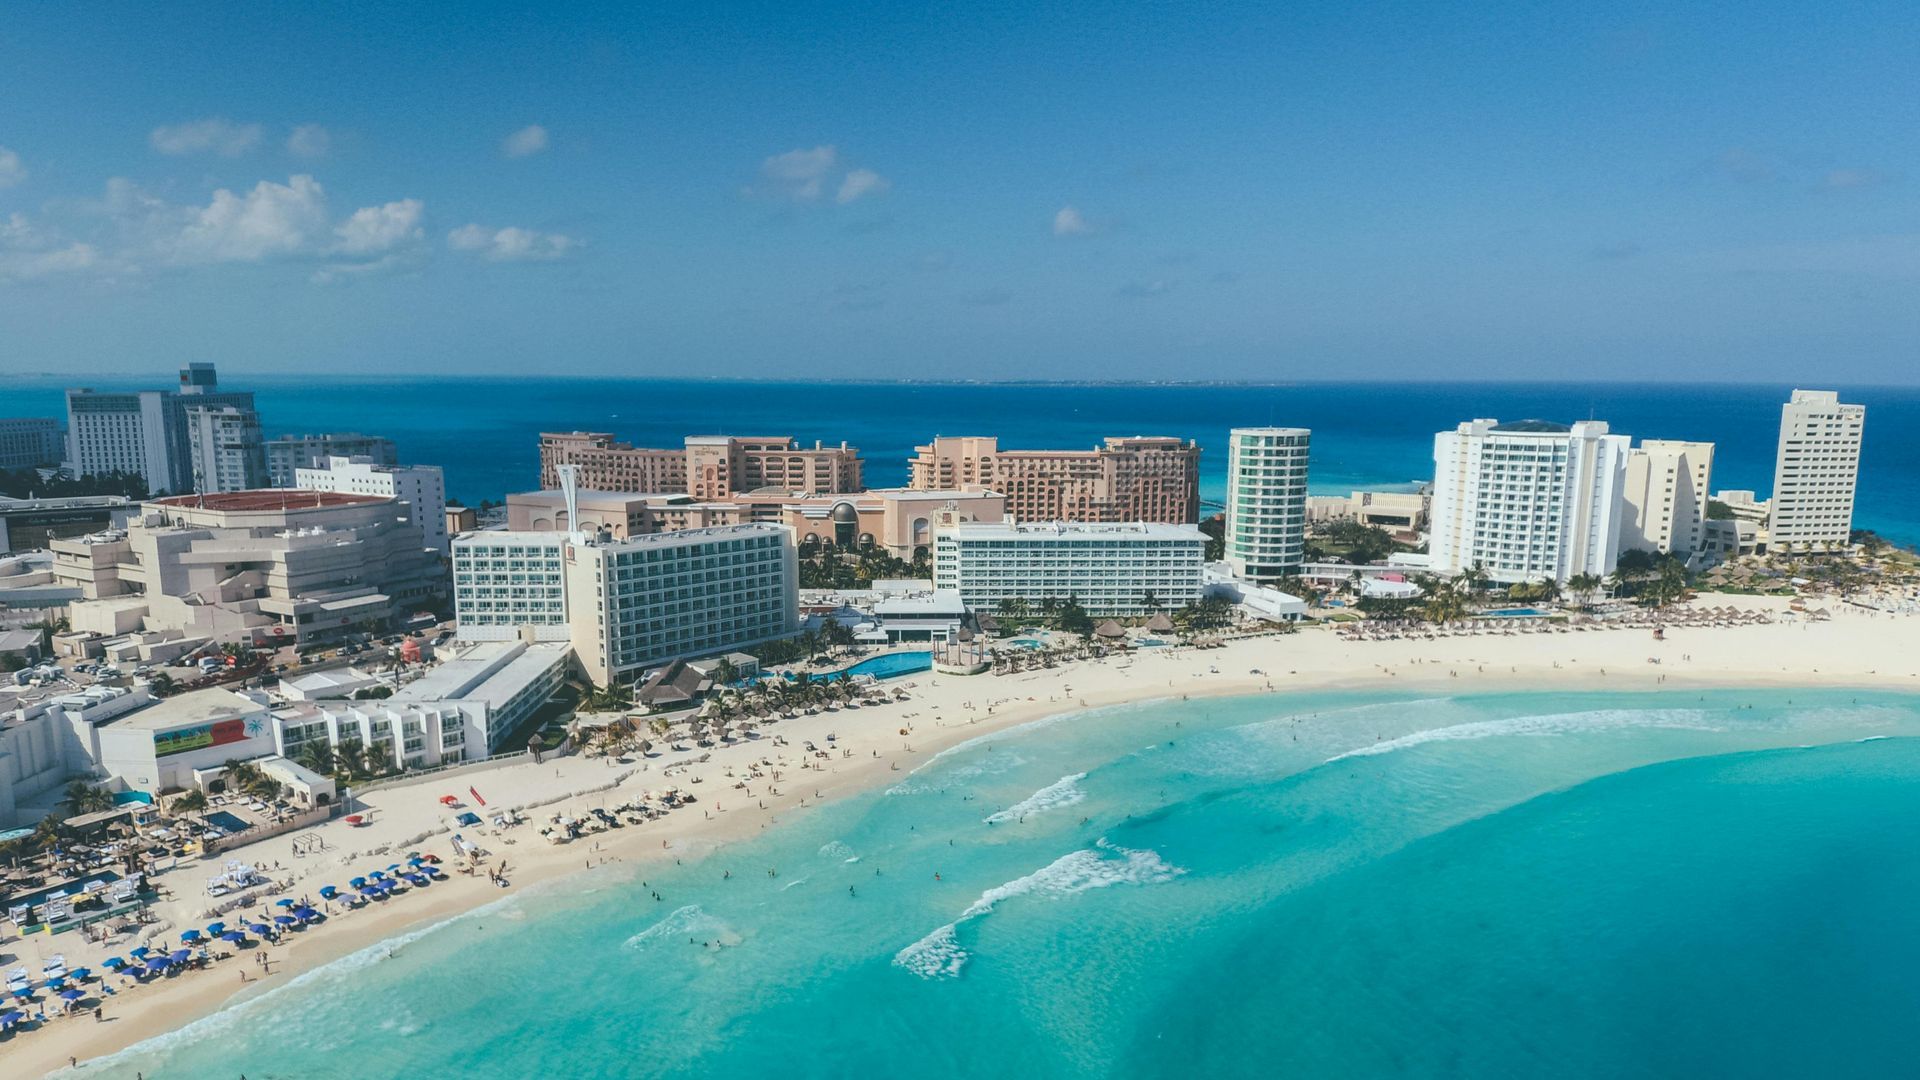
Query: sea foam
{"x": 1062, "y": 792}
{"x": 940, "y": 954}
{"x": 1553, "y": 724}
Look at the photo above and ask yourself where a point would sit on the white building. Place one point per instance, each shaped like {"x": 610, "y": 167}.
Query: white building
{"x": 1814, "y": 472}
{"x": 421, "y": 487}
{"x": 225, "y": 449}
{"x": 1266, "y": 531}
{"x": 460, "y": 711}
{"x": 1528, "y": 501}
{"x": 1109, "y": 569}
{"x": 29, "y": 442}
{"x": 506, "y": 581}
{"x": 645, "y": 600}
{"x": 289, "y": 454}
{"x": 1666, "y": 496}
{"x": 143, "y": 432}
{"x": 630, "y": 604}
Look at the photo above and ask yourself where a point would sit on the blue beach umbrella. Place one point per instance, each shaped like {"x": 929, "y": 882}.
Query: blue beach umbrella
{"x": 283, "y": 902}
{"x": 357, "y": 882}
{"x": 180, "y": 956}
{"x": 57, "y": 982}
{"x": 189, "y": 935}
{"x": 233, "y": 937}
{"x": 216, "y": 928}
{"x": 284, "y": 920}
{"x": 259, "y": 928}
{"x": 141, "y": 951}
{"x": 113, "y": 963}
{"x": 328, "y": 892}
{"x": 12, "y": 1018}
{"x": 73, "y": 995}
{"x": 79, "y": 974}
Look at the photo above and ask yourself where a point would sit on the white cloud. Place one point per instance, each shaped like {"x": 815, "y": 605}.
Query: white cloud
{"x": 11, "y": 171}
{"x": 511, "y": 244}
{"x": 375, "y": 230}
{"x": 271, "y": 220}
{"x": 1069, "y": 222}
{"x": 309, "y": 141}
{"x": 215, "y": 134}
{"x": 526, "y": 142}
{"x": 861, "y": 182}
{"x": 28, "y": 252}
{"x": 800, "y": 174}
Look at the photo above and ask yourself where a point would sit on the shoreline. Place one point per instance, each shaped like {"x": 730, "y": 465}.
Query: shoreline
{"x": 878, "y": 743}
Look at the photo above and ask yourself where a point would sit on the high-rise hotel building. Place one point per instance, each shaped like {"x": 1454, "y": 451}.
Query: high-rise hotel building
{"x": 631, "y": 604}
{"x": 1528, "y": 501}
{"x": 1815, "y": 471}
{"x": 147, "y": 432}
{"x": 1666, "y": 496}
{"x": 705, "y": 467}
{"x": 1266, "y": 532}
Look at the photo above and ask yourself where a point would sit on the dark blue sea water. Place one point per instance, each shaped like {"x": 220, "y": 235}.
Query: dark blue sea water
{"x": 1667, "y": 884}
{"x": 485, "y": 432}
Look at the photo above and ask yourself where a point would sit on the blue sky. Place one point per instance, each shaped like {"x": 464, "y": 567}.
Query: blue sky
{"x": 1259, "y": 191}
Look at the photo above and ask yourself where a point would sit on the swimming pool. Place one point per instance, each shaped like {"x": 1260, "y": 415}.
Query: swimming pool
{"x": 1150, "y": 643}
{"x": 1027, "y": 643}
{"x": 886, "y": 666}
{"x": 1513, "y": 613}
{"x": 228, "y": 823}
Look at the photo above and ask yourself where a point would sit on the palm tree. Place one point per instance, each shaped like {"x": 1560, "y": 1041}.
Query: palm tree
{"x": 193, "y": 802}
{"x": 1475, "y": 577}
{"x": 316, "y": 755}
{"x": 1583, "y": 586}
{"x": 85, "y": 798}
{"x": 1151, "y": 602}
{"x": 725, "y": 672}
{"x": 1015, "y": 609}
{"x": 810, "y": 641}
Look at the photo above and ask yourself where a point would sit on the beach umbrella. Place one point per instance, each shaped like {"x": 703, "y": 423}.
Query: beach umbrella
{"x": 328, "y": 892}
{"x": 259, "y": 928}
{"x": 12, "y": 1018}
{"x": 357, "y": 882}
{"x": 72, "y": 995}
{"x": 283, "y": 902}
{"x": 416, "y": 879}
{"x": 79, "y": 974}
{"x": 284, "y": 920}
{"x": 142, "y": 951}
{"x": 56, "y": 982}
{"x": 216, "y": 928}
{"x": 415, "y": 860}
{"x": 113, "y": 963}
{"x": 305, "y": 913}
{"x": 391, "y": 867}
{"x": 180, "y": 956}
{"x": 189, "y": 935}
{"x": 233, "y": 937}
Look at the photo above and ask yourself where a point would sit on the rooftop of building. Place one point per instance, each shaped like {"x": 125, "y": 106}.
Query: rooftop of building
{"x": 490, "y": 671}
{"x": 676, "y": 537}
{"x": 977, "y": 530}
{"x": 192, "y": 707}
{"x": 1531, "y": 427}
{"x": 267, "y": 499}
{"x": 70, "y": 502}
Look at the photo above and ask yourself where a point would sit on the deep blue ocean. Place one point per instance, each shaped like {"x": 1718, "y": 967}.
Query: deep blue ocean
{"x": 1330, "y": 885}
{"x": 485, "y": 432}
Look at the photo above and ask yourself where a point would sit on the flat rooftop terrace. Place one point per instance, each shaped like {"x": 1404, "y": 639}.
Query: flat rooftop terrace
{"x": 268, "y": 499}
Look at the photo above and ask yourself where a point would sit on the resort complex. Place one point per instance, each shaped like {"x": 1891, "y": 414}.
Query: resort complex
{"x": 252, "y": 670}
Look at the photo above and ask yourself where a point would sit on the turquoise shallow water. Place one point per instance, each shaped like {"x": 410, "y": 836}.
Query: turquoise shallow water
{"x": 1513, "y": 885}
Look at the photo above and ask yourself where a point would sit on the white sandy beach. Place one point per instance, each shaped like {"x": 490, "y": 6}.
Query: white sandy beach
{"x": 1854, "y": 648}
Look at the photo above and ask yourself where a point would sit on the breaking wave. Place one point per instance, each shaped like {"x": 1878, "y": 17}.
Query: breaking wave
{"x": 1062, "y": 792}
{"x": 940, "y": 954}
{"x": 1554, "y": 724}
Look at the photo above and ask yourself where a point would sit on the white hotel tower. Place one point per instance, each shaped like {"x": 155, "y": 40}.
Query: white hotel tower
{"x": 1814, "y": 472}
{"x": 1266, "y": 531}
{"x": 1529, "y": 500}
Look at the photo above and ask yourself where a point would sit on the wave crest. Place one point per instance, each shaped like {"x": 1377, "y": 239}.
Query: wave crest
{"x": 1062, "y": 792}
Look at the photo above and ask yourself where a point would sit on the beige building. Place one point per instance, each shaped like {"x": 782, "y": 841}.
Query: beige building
{"x": 898, "y": 520}
{"x": 707, "y": 467}
{"x": 1666, "y": 496}
{"x": 1138, "y": 478}
{"x": 1394, "y": 511}
{"x": 268, "y": 566}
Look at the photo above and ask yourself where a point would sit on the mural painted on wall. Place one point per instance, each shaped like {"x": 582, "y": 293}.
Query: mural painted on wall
{"x": 199, "y": 737}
